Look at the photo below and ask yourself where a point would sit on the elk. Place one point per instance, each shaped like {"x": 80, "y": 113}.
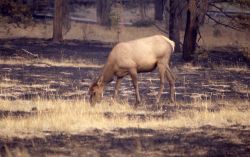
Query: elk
{"x": 132, "y": 57}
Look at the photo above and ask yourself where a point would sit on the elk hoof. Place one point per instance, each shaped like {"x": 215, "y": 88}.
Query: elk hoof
{"x": 137, "y": 104}
{"x": 157, "y": 101}
{"x": 173, "y": 102}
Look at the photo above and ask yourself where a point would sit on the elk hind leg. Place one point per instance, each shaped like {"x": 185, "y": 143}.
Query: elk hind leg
{"x": 161, "y": 68}
{"x": 171, "y": 79}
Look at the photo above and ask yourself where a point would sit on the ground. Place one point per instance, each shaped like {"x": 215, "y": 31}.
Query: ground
{"x": 219, "y": 74}
{"x": 65, "y": 71}
{"x": 205, "y": 141}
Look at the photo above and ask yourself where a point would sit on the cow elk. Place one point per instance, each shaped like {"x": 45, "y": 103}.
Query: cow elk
{"x": 133, "y": 57}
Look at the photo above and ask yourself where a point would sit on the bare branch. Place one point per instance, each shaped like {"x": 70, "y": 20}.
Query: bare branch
{"x": 221, "y": 10}
{"x": 220, "y": 23}
{"x": 160, "y": 29}
{"x": 29, "y": 53}
{"x": 220, "y": 1}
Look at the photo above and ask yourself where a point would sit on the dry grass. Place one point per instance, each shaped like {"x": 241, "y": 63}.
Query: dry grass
{"x": 17, "y": 152}
{"x": 77, "y": 116}
{"x": 189, "y": 67}
{"x": 6, "y": 84}
{"x": 83, "y": 31}
{"x": 237, "y": 68}
{"x": 79, "y": 31}
{"x": 42, "y": 62}
{"x": 227, "y": 38}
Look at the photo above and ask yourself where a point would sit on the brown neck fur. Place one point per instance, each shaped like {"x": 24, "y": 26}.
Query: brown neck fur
{"x": 107, "y": 74}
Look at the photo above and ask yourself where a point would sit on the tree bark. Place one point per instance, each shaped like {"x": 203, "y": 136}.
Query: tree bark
{"x": 174, "y": 25}
{"x": 58, "y": 21}
{"x": 195, "y": 17}
{"x": 103, "y": 9}
{"x": 66, "y": 17}
{"x": 159, "y": 8}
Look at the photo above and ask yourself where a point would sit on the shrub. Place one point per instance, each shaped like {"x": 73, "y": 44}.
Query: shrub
{"x": 16, "y": 11}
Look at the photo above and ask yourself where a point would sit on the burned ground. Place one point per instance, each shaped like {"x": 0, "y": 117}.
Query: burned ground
{"x": 210, "y": 78}
{"x": 216, "y": 76}
{"x": 204, "y": 141}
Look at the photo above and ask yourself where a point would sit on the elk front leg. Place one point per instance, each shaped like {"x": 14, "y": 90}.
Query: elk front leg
{"x": 133, "y": 74}
{"x": 117, "y": 86}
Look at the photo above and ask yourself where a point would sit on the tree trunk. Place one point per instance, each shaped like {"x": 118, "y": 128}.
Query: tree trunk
{"x": 66, "y": 17}
{"x": 103, "y": 9}
{"x": 190, "y": 37}
{"x": 142, "y": 9}
{"x": 195, "y": 17}
{"x": 174, "y": 25}
{"x": 58, "y": 21}
{"x": 159, "y": 8}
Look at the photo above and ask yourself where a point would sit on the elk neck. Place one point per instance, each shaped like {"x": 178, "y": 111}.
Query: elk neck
{"x": 107, "y": 74}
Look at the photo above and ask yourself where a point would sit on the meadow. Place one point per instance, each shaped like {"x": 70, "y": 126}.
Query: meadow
{"x": 44, "y": 108}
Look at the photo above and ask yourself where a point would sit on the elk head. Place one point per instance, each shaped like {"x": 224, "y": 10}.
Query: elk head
{"x": 96, "y": 92}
